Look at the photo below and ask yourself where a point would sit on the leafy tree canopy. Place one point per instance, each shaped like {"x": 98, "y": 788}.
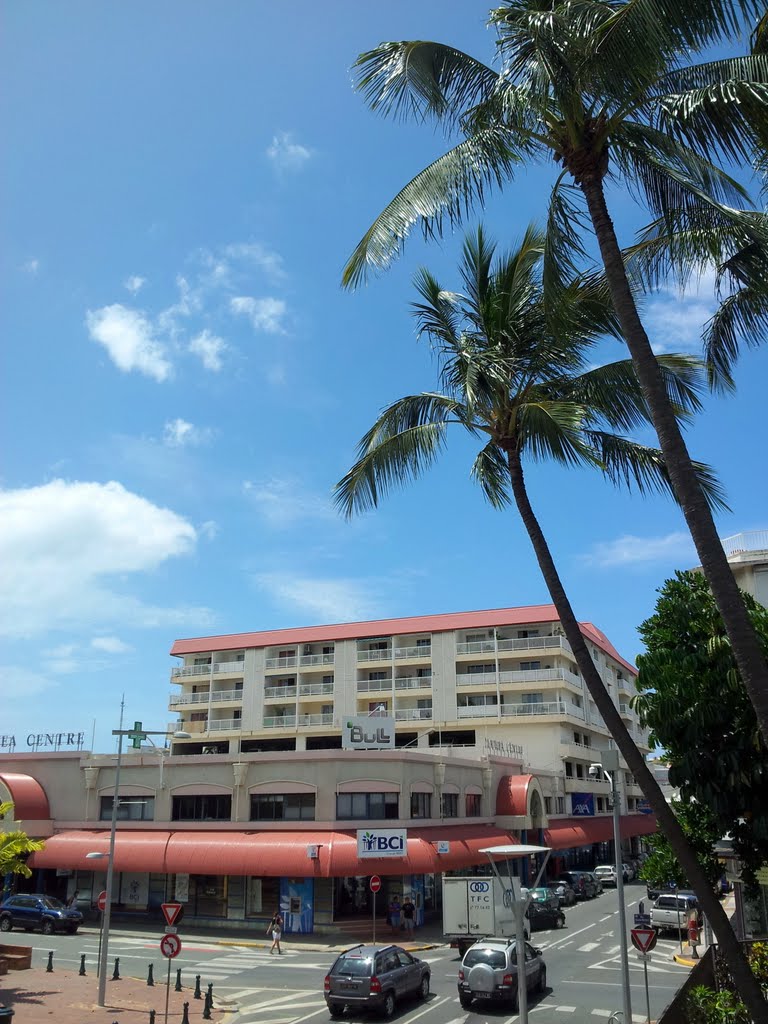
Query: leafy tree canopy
{"x": 693, "y": 700}
{"x": 702, "y": 830}
{"x": 14, "y": 848}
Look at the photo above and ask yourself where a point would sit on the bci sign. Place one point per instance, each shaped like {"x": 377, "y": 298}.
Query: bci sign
{"x": 382, "y": 842}
{"x": 368, "y": 732}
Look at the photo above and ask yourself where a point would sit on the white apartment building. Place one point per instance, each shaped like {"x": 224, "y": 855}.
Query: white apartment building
{"x": 748, "y": 558}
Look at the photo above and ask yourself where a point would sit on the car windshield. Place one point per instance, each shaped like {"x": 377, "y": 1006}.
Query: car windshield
{"x": 51, "y": 903}
{"x": 492, "y": 957}
{"x": 355, "y": 966}
{"x": 540, "y": 894}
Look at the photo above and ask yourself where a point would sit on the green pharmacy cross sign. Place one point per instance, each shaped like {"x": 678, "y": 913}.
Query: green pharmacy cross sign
{"x": 136, "y": 735}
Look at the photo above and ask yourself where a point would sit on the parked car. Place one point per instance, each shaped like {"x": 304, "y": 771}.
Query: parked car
{"x": 489, "y": 972}
{"x": 629, "y": 872}
{"x": 545, "y": 915}
{"x": 33, "y": 911}
{"x": 564, "y": 892}
{"x": 672, "y": 911}
{"x": 374, "y": 977}
{"x": 544, "y": 897}
{"x": 582, "y": 883}
{"x": 597, "y": 881}
{"x": 606, "y": 873}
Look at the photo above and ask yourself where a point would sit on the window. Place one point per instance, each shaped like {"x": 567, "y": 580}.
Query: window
{"x": 479, "y": 669}
{"x": 421, "y": 805}
{"x": 285, "y": 654}
{"x": 533, "y": 698}
{"x": 376, "y": 806}
{"x": 529, "y": 666}
{"x": 379, "y": 645}
{"x": 328, "y": 650}
{"x": 202, "y": 661}
{"x": 377, "y": 675}
{"x": 283, "y": 807}
{"x": 568, "y": 770}
{"x": 424, "y": 642}
{"x": 129, "y": 808}
{"x": 474, "y": 805}
{"x": 523, "y": 634}
{"x": 547, "y": 804}
{"x": 477, "y": 700}
{"x": 475, "y": 638}
{"x": 207, "y": 807}
{"x": 579, "y": 771}
{"x": 237, "y": 714}
{"x": 328, "y": 679}
{"x": 600, "y": 806}
{"x": 239, "y": 657}
{"x": 560, "y": 805}
{"x": 450, "y": 805}
{"x": 423, "y": 673}
{"x": 239, "y": 684}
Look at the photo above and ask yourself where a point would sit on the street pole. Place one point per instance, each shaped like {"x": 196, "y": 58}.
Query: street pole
{"x": 612, "y": 762}
{"x": 104, "y": 953}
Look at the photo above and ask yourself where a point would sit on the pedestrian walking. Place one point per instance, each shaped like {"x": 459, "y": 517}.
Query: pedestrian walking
{"x": 394, "y": 914}
{"x": 275, "y": 928}
{"x": 409, "y": 915}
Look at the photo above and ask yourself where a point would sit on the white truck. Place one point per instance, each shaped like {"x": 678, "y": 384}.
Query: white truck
{"x": 475, "y": 908}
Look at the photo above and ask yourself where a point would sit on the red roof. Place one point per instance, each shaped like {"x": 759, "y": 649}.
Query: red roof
{"x": 447, "y": 622}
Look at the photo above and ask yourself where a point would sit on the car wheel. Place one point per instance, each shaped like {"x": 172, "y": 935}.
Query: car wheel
{"x": 72, "y": 931}
{"x": 47, "y": 928}
{"x": 560, "y": 921}
{"x": 465, "y": 999}
{"x": 6, "y": 924}
{"x": 424, "y": 988}
{"x": 543, "y": 980}
{"x": 388, "y": 1006}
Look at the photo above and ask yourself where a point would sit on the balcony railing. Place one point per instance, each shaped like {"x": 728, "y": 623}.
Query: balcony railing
{"x": 553, "y": 707}
{"x": 479, "y": 711}
{"x": 536, "y": 675}
{"x": 280, "y": 722}
{"x": 413, "y": 683}
{"x": 280, "y": 662}
{"x": 385, "y": 655}
{"x": 475, "y": 678}
{"x": 221, "y": 695}
{"x": 235, "y": 668}
{"x": 189, "y": 698}
{"x": 317, "y": 659}
{"x": 535, "y": 643}
{"x": 311, "y": 689}
{"x": 751, "y": 540}
{"x": 422, "y": 651}
{"x": 278, "y": 692}
{"x": 192, "y": 727}
{"x": 476, "y": 647}
{"x": 413, "y": 714}
{"x": 322, "y": 719}
{"x": 224, "y": 724}
{"x": 366, "y": 685}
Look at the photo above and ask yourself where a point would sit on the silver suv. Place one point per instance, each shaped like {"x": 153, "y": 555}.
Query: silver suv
{"x": 489, "y": 972}
{"x": 374, "y": 977}
{"x": 673, "y": 911}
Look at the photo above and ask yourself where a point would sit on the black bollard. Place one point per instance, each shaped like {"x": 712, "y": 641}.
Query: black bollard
{"x": 116, "y": 972}
{"x": 49, "y": 968}
{"x": 177, "y": 987}
{"x": 151, "y": 1017}
{"x": 81, "y": 972}
{"x": 150, "y": 977}
{"x": 207, "y": 1010}
{"x": 185, "y": 1014}
{"x": 198, "y": 993}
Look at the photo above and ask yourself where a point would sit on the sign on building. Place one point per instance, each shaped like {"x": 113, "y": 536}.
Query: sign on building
{"x": 582, "y": 804}
{"x": 368, "y": 732}
{"x": 382, "y": 842}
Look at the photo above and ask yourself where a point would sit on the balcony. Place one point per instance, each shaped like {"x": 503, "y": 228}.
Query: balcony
{"x": 273, "y": 663}
{"x": 475, "y": 678}
{"x": 224, "y": 724}
{"x": 413, "y": 715}
{"x": 188, "y": 698}
{"x": 424, "y": 651}
{"x": 321, "y": 719}
{"x": 554, "y": 707}
{"x": 579, "y": 751}
{"x": 741, "y": 543}
{"x": 540, "y": 675}
{"x": 279, "y": 692}
{"x": 476, "y": 647}
{"x": 535, "y": 643}
{"x": 224, "y": 668}
{"x": 371, "y": 685}
{"x": 385, "y": 655}
{"x": 219, "y": 696}
{"x": 479, "y": 711}
{"x": 191, "y": 727}
{"x": 308, "y": 660}
{"x": 280, "y": 722}
{"x": 626, "y": 711}
{"x": 413, "y": 683}
{"x": 315, "y": 689}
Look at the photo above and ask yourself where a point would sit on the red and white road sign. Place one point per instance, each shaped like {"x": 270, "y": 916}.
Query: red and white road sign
{"x": 170, "y": 946}
{"x": 643, "y": 939}
{"x": 170, "y": 911}
{"x": 101, "y": 901}
{"x": 375, "y": 883}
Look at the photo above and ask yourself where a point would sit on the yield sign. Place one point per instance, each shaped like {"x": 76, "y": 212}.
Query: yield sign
{"x": 643, "y": 939}
{"x": 170, "y": 911}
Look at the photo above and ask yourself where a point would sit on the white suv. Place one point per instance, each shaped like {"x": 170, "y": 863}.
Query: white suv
{"x": 489, "y": 972}
{"x": 672, "y": 912}
{"x": 607, "y": 874}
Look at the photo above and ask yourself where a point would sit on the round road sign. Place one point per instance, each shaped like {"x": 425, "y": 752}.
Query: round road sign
{"x": 101, "y": 902}
{"x": 375, "y": 883}
{"x": 170, "y": 946}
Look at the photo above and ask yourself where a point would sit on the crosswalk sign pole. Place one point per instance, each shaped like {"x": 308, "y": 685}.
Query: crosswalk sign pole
{"x": 647, "y": 993}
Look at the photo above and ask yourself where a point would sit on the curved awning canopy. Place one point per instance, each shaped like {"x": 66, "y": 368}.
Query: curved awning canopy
{"x": 277, "y": 854}
{"x": 572, "y": 832}
{"x": 27, "y": 795}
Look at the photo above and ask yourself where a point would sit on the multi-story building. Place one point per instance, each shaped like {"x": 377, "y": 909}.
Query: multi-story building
{"x": 748, "y": 558}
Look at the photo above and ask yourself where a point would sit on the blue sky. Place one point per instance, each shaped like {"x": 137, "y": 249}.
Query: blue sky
{"x": 184, "y": 381}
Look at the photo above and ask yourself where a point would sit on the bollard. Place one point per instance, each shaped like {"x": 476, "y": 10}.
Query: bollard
{"x": 81, "y": 972}
{"x": 116, "y": 972}
{"x": 49, "y": 968}
{"x": 185, "y": 1014}
{"x": 207, "y": 1010}
{"x": 198, "y": 993}
{"x": 151, "y": 1017}
{"x": 177, "y": 987}
{"x": 150, "y": 977}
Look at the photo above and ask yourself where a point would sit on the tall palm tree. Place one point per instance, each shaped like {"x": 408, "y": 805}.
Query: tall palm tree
{"x": 513, "y": 372}
{"x": 604, "y": 89}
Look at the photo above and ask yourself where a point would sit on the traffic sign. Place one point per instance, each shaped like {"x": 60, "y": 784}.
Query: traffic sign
{"x": 642, "y": 920}
{"x": 643, "y": 939}
{"x": 170, "y": 946}
{"x": 170, "y": 911}
{"x": 375, "y": 883}
{"x": 101, "y": 901}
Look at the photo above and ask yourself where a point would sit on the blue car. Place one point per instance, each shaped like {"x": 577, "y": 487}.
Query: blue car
{"x": 36, "y": 912}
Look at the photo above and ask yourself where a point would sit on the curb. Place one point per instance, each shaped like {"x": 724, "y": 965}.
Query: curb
{"x": 685, "y": 961}
{"x": 315, "y": 948}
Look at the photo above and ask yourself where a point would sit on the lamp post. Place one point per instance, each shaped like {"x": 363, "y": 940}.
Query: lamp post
{"x": 610, "y": 769}
{"x": 136, "y": 735}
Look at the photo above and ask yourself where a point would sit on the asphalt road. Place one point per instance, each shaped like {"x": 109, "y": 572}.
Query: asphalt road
{"x": 583, "y": 969}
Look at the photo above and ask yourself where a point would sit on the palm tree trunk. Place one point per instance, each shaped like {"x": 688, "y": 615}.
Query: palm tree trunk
{"x": 744, "y": 642}
{"x": 746, "y": 983}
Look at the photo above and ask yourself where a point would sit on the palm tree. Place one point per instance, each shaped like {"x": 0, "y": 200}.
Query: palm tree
{"x": 15, "y": 847}
{"x": 512, "y": 370}
{"x": 604, "y": 89}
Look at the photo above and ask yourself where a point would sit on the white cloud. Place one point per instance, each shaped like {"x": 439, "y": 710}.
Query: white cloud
{"x": 675, "y": 319}
{"x": 61, "y": 660}
{"x": 178, "y": 433}
{"x": 260, "y": 255}
{"x": 283, "y": 503}
{"x": 16, "y": 681}
{"x": 31, "y": 267}
{"x": 674, "y": 548}
{"x": 265, "y": 314}
{"x": 130, "y": 340}
{"x": 209, "y": 529}
{"x": 67, "y": 547}
{"x": 326, "y": 600}
{"x": 286, "y": 154}
{"x": 210, "y": 349}
{"x": 134, "y": 283}
{"x": 110, "y": 645}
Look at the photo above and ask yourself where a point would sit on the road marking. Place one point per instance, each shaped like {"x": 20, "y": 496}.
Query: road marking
{"x": 606, "y": 918}
{"x": 566, "y": 1009}
{"x": 588, "y": 947}
{"x": 572, "y": 935}
{"x": 602, "y": 1013}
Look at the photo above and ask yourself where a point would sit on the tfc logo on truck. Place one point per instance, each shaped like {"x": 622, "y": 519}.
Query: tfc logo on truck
{"x": 479, "y": 892}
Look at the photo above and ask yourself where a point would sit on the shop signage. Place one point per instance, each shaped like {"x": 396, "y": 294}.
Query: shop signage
{"x": 382, "y": 842}
{"x": 45, "y": 740}
{"x": 443, "y": 846}
{"x": 503, "y": 748}
{"x": 182, "y": 888}
{"x": 368, "y": 732}
{"x": 583, "y": 804}
{"x": 644, "y": 807}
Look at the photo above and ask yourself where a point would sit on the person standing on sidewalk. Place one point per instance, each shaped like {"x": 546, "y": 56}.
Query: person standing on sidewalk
{"x": 275, "y": 927}
{"x": 409, "y": 916}
{"x": 394, "y": 915}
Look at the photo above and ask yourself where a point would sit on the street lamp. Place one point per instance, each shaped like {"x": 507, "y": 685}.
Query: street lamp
{"x": 136, "y": 735}
{"x": 609, "y": 767}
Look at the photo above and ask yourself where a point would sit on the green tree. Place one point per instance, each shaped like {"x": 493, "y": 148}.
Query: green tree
{"x": 512, "y": 366}
{"x": 693, "y": 700}
{"x": 15, "y": 846}
{"x": 605, "y": 89}
{"x": 702, "y": 831}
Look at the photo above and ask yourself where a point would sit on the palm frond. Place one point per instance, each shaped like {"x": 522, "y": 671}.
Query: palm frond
{"x": 553, "y": 430}
{"x": 439, "y": 315}
{"x": 564, "y": 251}
{"x": 750, "y": 68}
{"x": 491, "y": 472}
{"x": 740, "y": 318}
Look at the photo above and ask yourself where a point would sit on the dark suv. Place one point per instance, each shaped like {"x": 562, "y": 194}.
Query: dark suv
{"x": 582, "y": 883}
{"x": 35, "y": 911}
{"x": 374, "y": 977}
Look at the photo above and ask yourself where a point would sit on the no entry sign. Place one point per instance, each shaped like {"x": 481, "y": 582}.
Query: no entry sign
{"x": 170, "y": 946}
{"x": 375, "y": 883}
{"x": 101, "y": 902}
